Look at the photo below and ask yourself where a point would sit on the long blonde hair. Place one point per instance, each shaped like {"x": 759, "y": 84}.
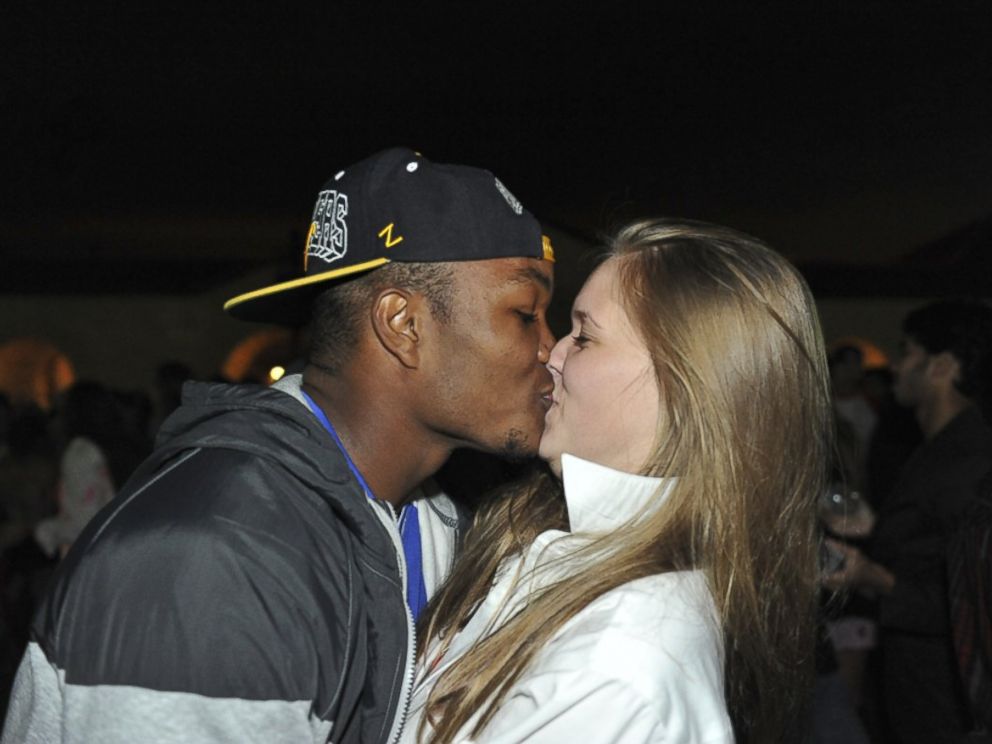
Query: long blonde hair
{"x": 745, "y": 423}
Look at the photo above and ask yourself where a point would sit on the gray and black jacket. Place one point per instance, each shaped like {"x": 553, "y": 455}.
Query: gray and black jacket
{"x": 240, "y": 588}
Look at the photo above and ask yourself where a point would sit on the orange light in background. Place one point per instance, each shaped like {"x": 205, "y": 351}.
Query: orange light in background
{"x": 34, "y": 371}
{"x": 256, "y": 358}
{"x": 872, "y": 357}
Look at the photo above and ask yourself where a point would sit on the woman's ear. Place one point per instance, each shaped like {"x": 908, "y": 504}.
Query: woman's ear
{"x": 398, "y": 323}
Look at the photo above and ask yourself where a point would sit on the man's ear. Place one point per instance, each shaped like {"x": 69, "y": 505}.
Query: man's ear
{"x": 945, "y": 368}
{"x": 398, "y": 322}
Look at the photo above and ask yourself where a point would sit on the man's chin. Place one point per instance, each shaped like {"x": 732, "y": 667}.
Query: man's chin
{"x": 518, "y": 446}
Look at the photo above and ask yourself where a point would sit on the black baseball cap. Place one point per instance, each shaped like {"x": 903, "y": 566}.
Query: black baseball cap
{"x": 398, "y": 206}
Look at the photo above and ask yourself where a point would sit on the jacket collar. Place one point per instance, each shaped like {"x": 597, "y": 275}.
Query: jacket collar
{"x": 292, "y": 385}
{"x": 600, "y": 499}
{"x": 273, "y": 425}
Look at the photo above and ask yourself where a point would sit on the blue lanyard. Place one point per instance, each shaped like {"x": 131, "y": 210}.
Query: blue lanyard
{"x": 409, "y": 523}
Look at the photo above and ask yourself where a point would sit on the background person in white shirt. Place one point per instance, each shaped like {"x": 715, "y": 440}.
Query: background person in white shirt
{"x": 668, "y": 594}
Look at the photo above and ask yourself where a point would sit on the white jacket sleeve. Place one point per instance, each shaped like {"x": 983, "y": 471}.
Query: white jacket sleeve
{"x": 605, "y": 685}
{"x": 639, "y": 665}
{"x": 590, "y": 708}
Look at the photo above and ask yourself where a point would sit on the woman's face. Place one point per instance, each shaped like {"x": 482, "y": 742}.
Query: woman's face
{"x": 606, "y": 397}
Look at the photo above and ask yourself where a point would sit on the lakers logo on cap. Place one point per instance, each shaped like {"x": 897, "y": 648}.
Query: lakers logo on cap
{"x": 306, "y": 246}
{"x": 547, "y": 249}
{"x": 515, "y": 205}
{"x": 328, "y": 236}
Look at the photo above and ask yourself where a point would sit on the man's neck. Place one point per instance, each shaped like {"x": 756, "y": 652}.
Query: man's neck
{"x": 393, "y": 455}
{"x": 934, "y": 415}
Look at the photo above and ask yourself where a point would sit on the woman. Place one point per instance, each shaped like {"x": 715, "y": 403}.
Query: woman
{"x": 670, "y": 594}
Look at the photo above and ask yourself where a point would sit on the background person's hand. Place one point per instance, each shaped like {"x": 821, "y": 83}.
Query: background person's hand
{"x": 857, "y": 572}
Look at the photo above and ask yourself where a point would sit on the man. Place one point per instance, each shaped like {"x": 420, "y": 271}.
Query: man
{"x": 970, "y": 575}
{"x": 253, "y": 582}
{"x": 944, "y": 374}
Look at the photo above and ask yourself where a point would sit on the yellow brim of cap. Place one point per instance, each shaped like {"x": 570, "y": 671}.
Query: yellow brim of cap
{"x": 302, "y": 282}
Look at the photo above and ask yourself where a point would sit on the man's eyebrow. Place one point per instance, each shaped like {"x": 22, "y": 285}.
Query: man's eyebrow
{"x": 530, "y": 274}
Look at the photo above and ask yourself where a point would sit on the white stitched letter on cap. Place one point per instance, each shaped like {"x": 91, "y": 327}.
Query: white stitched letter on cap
{"x": 516, "y": 206}
{"x": 329, "y": 232}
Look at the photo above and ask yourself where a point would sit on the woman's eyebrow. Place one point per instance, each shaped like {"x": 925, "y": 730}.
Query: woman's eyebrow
{"x": 584, "y": 317}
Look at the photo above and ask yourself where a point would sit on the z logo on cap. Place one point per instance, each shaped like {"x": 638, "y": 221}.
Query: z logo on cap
{"x": 387, "y": 233}
{"x": 328, "y": 236}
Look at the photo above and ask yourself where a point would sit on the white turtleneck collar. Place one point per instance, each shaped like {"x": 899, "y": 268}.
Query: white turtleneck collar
{"x": 600, "y": 499}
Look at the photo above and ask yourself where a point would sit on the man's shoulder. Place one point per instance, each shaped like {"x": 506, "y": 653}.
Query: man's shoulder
{"x": 967, "y": 435}
{"x": 960, "y": 453}
{"x": 205, "y": 549}
{"x": 207, "y": 506}
{"x": 214, "y": 479}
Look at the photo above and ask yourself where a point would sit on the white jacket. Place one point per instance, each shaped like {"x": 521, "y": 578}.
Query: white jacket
{"x": 642, "y": 663}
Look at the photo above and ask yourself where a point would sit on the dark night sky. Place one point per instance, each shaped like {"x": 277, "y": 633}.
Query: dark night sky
{"x": 853, "y": 130}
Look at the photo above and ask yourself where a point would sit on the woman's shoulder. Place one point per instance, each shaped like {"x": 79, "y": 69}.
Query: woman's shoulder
{"x": 653, "y": 606}
{"x": 660, "y": 630}
{"x": 658, "y": 640}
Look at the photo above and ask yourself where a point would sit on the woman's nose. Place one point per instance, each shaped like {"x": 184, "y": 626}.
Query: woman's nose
{"x": 556, "y": 359}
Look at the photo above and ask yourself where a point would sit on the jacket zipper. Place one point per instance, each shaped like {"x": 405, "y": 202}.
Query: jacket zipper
{"x": 411, "y": 631}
